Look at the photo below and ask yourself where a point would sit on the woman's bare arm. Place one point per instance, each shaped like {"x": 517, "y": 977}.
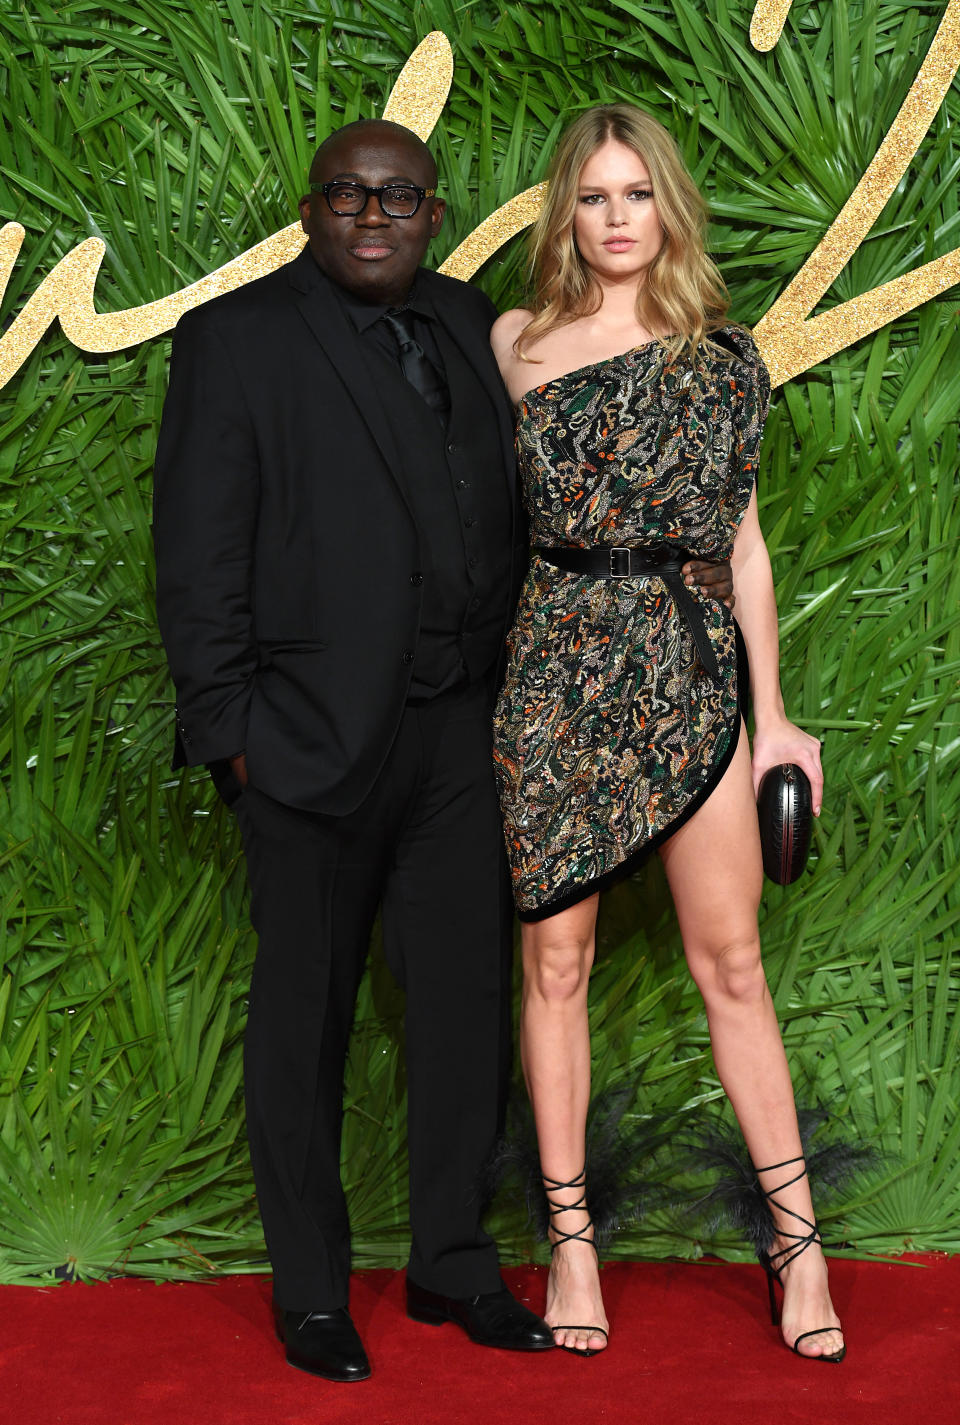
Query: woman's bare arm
{"x": 776, "y": 739}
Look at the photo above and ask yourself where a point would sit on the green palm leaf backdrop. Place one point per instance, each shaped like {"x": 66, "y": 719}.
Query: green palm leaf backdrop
{"x": 180, "y": 133}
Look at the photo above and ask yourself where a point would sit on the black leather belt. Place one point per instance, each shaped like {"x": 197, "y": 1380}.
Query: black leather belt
{"x": 626, "y": 562}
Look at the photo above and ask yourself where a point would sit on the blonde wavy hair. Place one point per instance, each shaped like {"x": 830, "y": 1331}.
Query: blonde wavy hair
{"x": 683, "y": 298}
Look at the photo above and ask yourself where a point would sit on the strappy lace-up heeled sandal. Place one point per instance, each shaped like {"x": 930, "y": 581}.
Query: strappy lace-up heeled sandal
{"x": 799, "y": 1242}
{"x": 579, "y": 1183}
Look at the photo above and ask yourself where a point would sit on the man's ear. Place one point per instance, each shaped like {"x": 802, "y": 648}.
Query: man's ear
{"x": 436, "y": 222}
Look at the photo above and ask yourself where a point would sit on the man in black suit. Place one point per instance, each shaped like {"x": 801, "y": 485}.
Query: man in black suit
{"x": 339, "y": 545}
{"x": 338, "y": 553}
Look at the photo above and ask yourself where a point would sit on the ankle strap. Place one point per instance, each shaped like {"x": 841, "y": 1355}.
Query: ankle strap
{"x": 554, "y": 1185}
{"x": 785, "y": 1164}
{"x": 576, "y": 1184}
{"x": 799, "y": 1241}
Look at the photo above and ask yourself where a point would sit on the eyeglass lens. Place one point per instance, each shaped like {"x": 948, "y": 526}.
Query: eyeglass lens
{"x": 348, "y": 199}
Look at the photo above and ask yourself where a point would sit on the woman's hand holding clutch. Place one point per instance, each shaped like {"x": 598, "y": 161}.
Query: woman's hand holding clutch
{"x": 782, "y": 741}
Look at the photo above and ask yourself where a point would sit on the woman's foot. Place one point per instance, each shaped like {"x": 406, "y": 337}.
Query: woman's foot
{"x": 575, "y": 1311}
{"x": 808, "y": 1321}
{"x": 806, "y": 1302}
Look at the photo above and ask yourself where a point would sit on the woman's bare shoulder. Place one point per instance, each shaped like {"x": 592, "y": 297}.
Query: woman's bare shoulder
{"x": 505, "y": 331}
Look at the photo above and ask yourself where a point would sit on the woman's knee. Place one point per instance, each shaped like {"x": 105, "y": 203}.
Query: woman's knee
{"x": 557, "y": 969}
{"x": 729, "y": 967}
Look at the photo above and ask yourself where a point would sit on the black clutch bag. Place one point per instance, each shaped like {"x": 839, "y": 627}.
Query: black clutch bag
{"x": 785, "y": 812}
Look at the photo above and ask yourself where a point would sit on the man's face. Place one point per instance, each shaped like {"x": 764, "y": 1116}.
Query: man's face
{"x": 370, "y": 254}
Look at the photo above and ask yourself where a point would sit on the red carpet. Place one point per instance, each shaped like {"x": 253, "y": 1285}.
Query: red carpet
{"x": 690, "y": 1344}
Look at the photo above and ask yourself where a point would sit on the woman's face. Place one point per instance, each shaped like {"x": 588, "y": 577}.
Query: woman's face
{"x": 616, "y": 223}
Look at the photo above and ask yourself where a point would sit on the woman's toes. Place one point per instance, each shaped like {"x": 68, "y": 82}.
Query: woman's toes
{"x": 579, "y": 1339}
{"x": 826, "y": 1344}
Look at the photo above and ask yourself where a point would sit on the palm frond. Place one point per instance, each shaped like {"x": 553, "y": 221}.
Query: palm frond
{"x": 181, "y": 135}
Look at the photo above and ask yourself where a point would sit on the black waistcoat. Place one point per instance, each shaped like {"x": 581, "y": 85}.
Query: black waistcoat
{"x": 457, "y": 488}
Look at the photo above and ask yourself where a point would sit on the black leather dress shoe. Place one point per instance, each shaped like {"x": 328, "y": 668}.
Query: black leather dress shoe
{"x": 493, "y": 1319}
{"x": 325, "y": 1343}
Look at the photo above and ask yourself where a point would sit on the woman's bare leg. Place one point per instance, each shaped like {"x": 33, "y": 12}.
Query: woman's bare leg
{"x": 714, "y": 868}
{"x": 555, "y": 1052}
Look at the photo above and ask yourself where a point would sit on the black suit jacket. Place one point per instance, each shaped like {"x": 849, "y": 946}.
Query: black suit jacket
{"x": 285, "y": 543}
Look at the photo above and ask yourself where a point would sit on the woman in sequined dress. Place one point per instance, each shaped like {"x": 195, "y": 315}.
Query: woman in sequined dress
{"x": 619, "y": 729}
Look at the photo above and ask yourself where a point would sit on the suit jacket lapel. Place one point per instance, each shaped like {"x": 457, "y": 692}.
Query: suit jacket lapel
{"x": 330, "y": 325}
{"x": 324, "y": 316}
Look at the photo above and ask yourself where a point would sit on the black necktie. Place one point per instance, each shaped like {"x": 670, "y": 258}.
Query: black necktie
{"x": 416, "y": 366}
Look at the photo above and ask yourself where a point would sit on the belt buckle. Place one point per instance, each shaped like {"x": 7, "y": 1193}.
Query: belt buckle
{"x": 616, "y": 572}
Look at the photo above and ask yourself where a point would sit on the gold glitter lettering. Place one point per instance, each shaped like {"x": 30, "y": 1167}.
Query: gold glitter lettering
{"x": 791, "y": 341}
{"x": 493, "y": 232}
{"x": 766, "y": 26}
{"x": 416, "y": 101}
{"x": 67, "y": 293}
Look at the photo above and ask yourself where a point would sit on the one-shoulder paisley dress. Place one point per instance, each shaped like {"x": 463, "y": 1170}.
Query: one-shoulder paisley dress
{"x": 609, "y": 732}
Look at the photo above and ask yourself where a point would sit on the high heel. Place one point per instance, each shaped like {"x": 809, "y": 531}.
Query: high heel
{"x": 555, "y": 1209}
{"x": 799, "y": 1242}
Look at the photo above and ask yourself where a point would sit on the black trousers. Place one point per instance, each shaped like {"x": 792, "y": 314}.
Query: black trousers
{"x": 426, "y": 847}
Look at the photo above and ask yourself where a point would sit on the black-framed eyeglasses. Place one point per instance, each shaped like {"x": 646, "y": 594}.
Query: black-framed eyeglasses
{"x": 397, "y": 200}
